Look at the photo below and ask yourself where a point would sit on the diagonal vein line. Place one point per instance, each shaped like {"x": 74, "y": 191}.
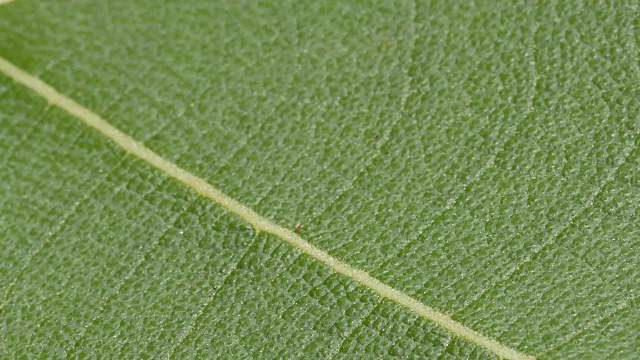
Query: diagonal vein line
{"x": 54, "y": 231}
{"x": 132, "y": 271}
{"x": 592, "y": 324}
{"x": 194, "y": 321}
{"x": 260, "y": 223}
{"x": 2, "y": 2}
{"x": 358, "y": 323}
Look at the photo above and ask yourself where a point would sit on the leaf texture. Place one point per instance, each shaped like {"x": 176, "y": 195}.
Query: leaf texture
{"x": 480, "y": 157}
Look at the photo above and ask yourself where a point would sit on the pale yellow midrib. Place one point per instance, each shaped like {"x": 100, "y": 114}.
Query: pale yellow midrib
{"x": 2, "y": 2}
{"x": 258, "y": 222}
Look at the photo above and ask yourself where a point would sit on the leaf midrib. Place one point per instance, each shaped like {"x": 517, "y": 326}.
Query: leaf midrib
{"x": 259, "y": 223}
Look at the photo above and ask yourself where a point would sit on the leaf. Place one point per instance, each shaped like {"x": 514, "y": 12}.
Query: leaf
{"x": 479, "y": 158}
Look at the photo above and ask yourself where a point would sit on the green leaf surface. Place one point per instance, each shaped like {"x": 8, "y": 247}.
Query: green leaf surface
{"x": 479, "y": 157}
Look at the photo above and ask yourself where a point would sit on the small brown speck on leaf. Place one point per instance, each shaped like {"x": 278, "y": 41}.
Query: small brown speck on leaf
{"x": 297, "y": 227}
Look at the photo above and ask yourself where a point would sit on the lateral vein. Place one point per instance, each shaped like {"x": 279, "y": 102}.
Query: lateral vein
{"x": 260, "y": 223}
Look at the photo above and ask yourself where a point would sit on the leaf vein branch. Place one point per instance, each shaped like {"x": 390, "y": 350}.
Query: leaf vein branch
{"x": 133, "y": 269}
{"x": 623, "y": 305}
{"x": 358, "y": 324}
{"x": 530, "y": 257}
{"x": 55, "y": 230}
{"x": 192, "y": 325}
